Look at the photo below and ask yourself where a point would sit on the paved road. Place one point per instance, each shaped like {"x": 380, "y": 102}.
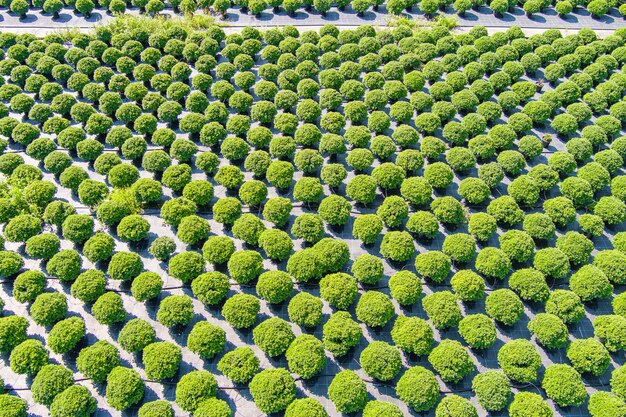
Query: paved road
{"x": 235, "y": 19}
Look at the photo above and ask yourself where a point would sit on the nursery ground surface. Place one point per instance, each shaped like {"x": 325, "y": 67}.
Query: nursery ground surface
{"x": 217, "y": 96}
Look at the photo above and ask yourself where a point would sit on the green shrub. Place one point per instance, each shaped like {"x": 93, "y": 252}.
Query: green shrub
{"x": 273, "y": 390}
{"x": 442, "y": 309}
{"x": 108, "y": 309}
{"x": 493, "y": 390}
{"x": 136, "y": 335}
{"x": 124, "y": 388}
{"x": 239, "y": 365}
{"x": 418, "y": 388}
{"x": 468, "y": 285}
{"x": 563, "y": 385}
{"x": 96, "y": 361}
{"x": 451, "y": 361}
{"x": 529, "y": 284}
{"x": 241, "y": 310}
{"x": 347, "y": 391}
{"x": 274, "y": 286}
{"x": 28, "y": 357}
{"x": 125, "y": 266}
{"x": 194, "y": 388}
{"x": 374, "y": 308}
{"x": 99, "y": 247}
{"x": 381, "y": 361}
{"x": 12, "y": 332}
{"x": 13, "y": 406}
{"x": 552, "y": 262}
{"x": 48, "y": 308}
{"x": 519, "y": 360}
{"x": 42, "y": 246}
{"x": 28, "y": 285}
{"x": 158, "y": 408}
{"x": 162, "y": 247}
{"x": 588, "y": 356}
{"x": 66, "y": 334}
{"x": 175, "y": 310}
{"x": 611, "y": 263}
{"x": 50, "y": 381}
{"x": 161, "y": 360}
{"x": 504, "y": 306}
{"x": 305, "y": 356}
{"x": 460, "y": 247}
{"x": 75, "y": 400}
{"x": 341, "y": 333}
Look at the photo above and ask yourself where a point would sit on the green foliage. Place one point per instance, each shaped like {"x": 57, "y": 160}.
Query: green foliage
{"x": 418, "y": 388}
{"x": 273, "y": 390}
{"x": 239, "y": 365}
{"x": 347, "y": 391}
{"x": 563, "y": 385}
{"x": 161, "y": 360}
{"x": 519, "y": 360}
{"x": 493, "y": 390}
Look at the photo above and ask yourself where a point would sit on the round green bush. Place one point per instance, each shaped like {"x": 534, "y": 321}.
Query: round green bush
{"x": 563, "y": 385}
{"x": 162, "y": 247}
{"x": 412, "y": 335}
{"x": 566, "y": 305}
{"x": 451, "y": 361}
{"x": 10, "y": 263}
{"x": 97, "y": 360}
{"x": 418, "y": 388}
{"x": 12, "y": 332}
{"x": 374, "y": 309}
{"x": 305, "y": 356}
{"x": 218, "y": 249}
{"x": 239, "y": 365}
{"x": 66, "y": 334}
{"x": 306, "y": 407}
{"x": 348, "y": 392}
{"x": 274, "y": 286}
{"x": 146, "y": 286}
{"x": 339, "y": 290}
{"x": 493, "y": 390}
{"x": 504, "y": 306}
{"x": 493, "y": 263}
{"x": 133, "y": 228}
{"x": 13, "y": 406}
{"x": 273, "y": 336}
{"x": 73, "y": 401}
{"x": 48, "y": 308}
{"x": 136, "y": 335}
{"x": 65, "y": 265}
{"x": 519, "y": 360}
{"x": 460, "y": 247}
{"x": 381, "y": 361}
{"x": 590, "y": 283}
{"x": 588, "y": 356}
{"x": 397, "y": 246}
{"x": 124, "y": 388}
{"x": 158, "y": 408}
{"x": 109, "y": 309}
{"x": 341, "y": 333}
{"x": 245, "y": 266}
{"x": 186, "y": 266}
{"x": 305, "y": 310}
{"x": 549, "y": 330}
{"x": 28, "y": 285}
{"x": 50, "y": 381}
{"x": 211, "y": 287}
{"x": 125, "y": 266}
{"x": 22, "y": 227}
{"x": 367, "y": 269}
{"x": 468, "y": 285}
{"x": 28, "y": 357}
{"x": 99, "y": 247}
{"x": 273, "y": 390}
{"x": 161, "y": 360}
{"x": 42, "y": 246}
{"x": 529, "y": 284}
{"x": 442, "y": 309}
{"x": 175, "y": 310}
{"x": 552, "y": 262}
{"x": 241, "y": 310}
{"x": 517, "y": 245}
{"x": 194, "y": 388}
